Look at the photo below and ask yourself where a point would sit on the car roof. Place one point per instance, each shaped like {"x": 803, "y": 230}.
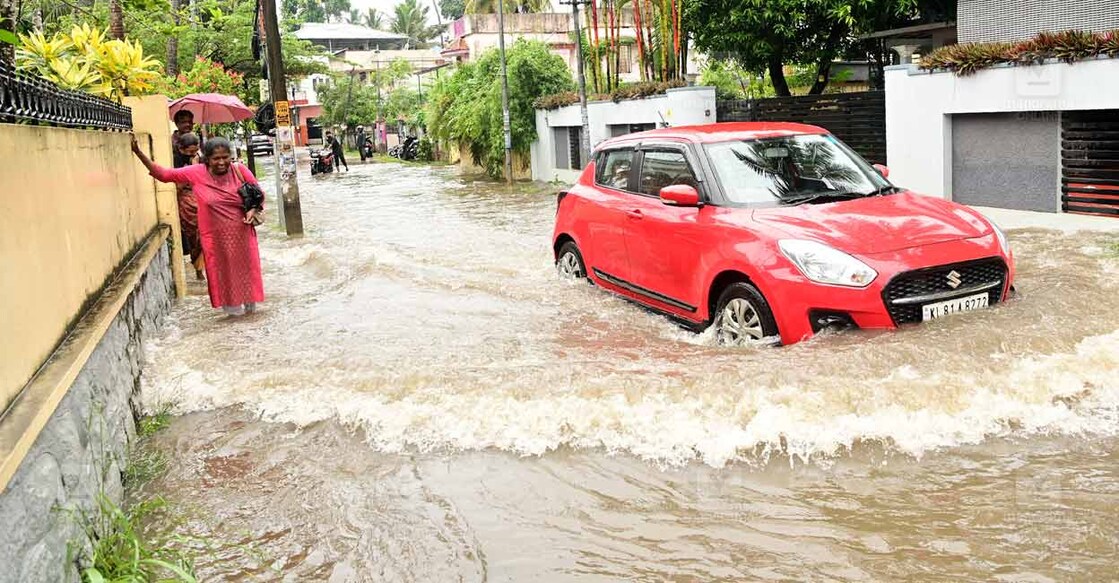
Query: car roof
{"x": 716, "y": 132}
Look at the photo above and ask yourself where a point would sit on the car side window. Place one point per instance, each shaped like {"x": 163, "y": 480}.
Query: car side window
{"x": 612, "y": 169}
{"x": 661, "y": 168}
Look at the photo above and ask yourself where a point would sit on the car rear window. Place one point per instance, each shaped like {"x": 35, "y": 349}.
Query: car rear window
{"x": 612, "y": 169}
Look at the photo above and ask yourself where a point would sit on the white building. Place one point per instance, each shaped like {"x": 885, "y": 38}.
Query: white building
{"x": 556, "y": 153}
{"x": 1031, "y": 137}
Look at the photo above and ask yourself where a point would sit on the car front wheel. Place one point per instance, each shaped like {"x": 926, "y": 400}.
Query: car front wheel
{"x": 743, "y": 317}
{"x": 569, "y": 262}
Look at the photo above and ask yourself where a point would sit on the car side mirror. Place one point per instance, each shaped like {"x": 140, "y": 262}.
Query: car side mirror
{"x": 884, "y": 171}
{"x": 680, "y": 195}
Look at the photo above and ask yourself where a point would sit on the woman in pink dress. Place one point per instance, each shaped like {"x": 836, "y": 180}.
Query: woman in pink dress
{"x": 227, "y": 232}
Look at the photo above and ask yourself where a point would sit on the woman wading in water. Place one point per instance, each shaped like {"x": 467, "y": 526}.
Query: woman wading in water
{"x": 225, "y": 231}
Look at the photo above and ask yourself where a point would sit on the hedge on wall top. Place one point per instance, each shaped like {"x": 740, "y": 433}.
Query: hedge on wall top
{"x": 1068, "y": 46}
{"x": 628, "y": 91}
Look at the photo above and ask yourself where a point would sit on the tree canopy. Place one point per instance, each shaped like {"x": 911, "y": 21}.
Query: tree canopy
{"x": 766, "y": 35}
{"x": 410, "y": 19}
{"x": 465, "y": 107}
{"x": 452, "y": 9}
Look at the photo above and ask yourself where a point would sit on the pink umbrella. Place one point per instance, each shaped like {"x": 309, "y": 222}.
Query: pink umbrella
{"x": 212, "y": 108}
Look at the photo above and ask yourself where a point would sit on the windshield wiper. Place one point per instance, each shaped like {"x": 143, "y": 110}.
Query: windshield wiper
{"x": 888, "y": 189}
{"x": 836, "y": 194}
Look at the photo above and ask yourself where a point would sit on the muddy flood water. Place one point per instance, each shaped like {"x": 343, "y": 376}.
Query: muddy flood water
{"x": 421, "y": 399}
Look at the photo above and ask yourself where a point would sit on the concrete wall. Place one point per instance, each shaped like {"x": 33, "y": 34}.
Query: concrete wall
{"x": 74, "y": 204}
{"x": 920, "y": 106}
{"x": 82, "y": 451}
{"x": 90, "y": 251}
{"x": 678, "y": 107}
{"x": 1015, "y": 20}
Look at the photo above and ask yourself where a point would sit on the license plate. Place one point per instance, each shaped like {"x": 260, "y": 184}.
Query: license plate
{"x": 964, "y": 304}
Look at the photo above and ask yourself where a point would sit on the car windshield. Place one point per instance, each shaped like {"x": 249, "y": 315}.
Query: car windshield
{"x": 792, "y": 170}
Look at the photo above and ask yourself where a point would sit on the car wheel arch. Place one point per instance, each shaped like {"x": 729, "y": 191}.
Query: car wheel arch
{"x": 562, "y": 239}
{"x": 724, "y": 279}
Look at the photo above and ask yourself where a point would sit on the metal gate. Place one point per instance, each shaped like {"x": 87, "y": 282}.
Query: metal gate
{"x": 1090, "y": 162}
{"x": 859, "y": 119}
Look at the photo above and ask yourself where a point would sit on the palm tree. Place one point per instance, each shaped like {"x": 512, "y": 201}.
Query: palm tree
{"x": 116, "y": 20}
{"x": 410, "y": 19}
{"x": 354, "y": 17}
{"x": 490, "y": 6}
{"x": 173, "y": 41}
{"x": 373, "y": 19}
{"x": 7, "y": 24}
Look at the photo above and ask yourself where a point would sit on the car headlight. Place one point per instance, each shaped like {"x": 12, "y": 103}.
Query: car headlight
{"x": 823, "y": 264}
{"x": 1003, "y": 242}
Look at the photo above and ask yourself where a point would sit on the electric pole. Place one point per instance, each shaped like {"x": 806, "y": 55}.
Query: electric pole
{"x": 505, "y": 93}
{"x": 291, "y": 215}
{"x": 585, "y": 140}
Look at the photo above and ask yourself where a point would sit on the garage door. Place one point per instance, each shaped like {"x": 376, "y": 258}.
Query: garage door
{"x": 1090, "y": 162}
{"x": 1007, "y": 160}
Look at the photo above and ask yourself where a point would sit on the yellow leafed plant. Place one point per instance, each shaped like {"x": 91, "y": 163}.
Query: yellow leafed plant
{"x": 36, "y": 51}
{"x": 73, "y": 74}
{"x": 86, "y": 39}
{"x": 84, "y": 60}
{"x": 123, "y": 66}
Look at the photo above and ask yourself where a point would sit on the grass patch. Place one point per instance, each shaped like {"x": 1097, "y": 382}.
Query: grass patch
{"x": 149, "y": 425}
{"x": 117, "y": 552}
{"x": 144, "y": 465}
{"x": 1113, "y": 249}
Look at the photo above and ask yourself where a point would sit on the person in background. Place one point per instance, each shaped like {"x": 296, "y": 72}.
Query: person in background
{"x": 226, "y": 232}
{"x": 185, "y": 155}
{"x": 361, "y": 142}
{"x": 184, "y": 124}
{"x": 336, "y": 149}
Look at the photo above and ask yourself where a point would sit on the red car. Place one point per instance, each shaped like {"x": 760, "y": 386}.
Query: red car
{"x": 771, "y": 231}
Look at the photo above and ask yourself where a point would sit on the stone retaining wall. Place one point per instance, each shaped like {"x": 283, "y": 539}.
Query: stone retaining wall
{"x": 84, "y": 448}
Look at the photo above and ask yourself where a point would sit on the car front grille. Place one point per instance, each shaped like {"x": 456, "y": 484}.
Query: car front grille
{"x": 936, "y": 281}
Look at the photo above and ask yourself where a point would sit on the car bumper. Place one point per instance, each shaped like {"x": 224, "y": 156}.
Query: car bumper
{"x": 798, "y": 303}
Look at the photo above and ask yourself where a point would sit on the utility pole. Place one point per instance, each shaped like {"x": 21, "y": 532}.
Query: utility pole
{"x": 291, "y": 214}
{"x": 585, "y": 141}
{"x": 505, "y": 93}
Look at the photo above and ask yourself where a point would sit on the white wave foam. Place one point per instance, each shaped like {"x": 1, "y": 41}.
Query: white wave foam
{"x": 1074, "y": 394}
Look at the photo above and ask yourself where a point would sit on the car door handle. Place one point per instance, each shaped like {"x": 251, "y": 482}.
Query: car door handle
{"x": 635, "y": 214}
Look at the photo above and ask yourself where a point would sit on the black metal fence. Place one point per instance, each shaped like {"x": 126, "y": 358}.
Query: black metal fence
{"x": 859, "y": 119}
{"x": 28, "y": 99}
{"x": 1090, "y": 162}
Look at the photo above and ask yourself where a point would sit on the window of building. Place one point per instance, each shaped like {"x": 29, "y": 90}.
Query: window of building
{"x": 568, "y": 148}
{"x": 629, "y": 128}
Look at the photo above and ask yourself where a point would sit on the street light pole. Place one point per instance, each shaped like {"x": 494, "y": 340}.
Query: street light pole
{"x": 585, "y": 140}
{"x": 505, "y": 93}
{"x": 291, "y": 213}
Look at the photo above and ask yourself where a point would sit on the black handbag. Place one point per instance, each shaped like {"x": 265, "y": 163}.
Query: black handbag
{"x": 252, "y": 197}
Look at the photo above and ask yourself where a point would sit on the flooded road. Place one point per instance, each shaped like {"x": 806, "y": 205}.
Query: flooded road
{"x": 421, "y": 399}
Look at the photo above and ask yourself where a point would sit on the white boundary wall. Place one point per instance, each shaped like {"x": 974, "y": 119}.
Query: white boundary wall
{"x": 680, "y": 106}
{"x": 919, "y": 106}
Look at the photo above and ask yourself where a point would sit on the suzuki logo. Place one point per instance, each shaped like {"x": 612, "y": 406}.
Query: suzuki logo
{"x": 954, "y": 280}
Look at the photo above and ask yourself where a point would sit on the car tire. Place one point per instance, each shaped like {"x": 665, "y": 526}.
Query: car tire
{"x": 743, "y": 317}
{"x": 569, "y": 262}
